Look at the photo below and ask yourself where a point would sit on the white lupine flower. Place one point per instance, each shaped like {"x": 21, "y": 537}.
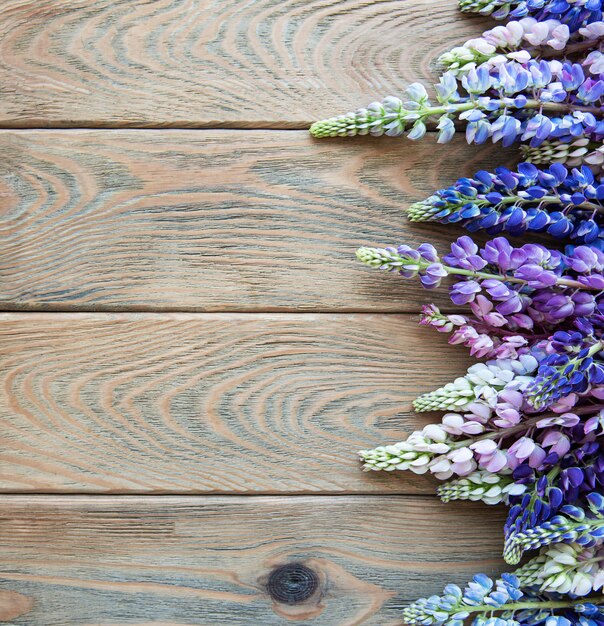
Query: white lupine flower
{"x": 596, "y": 157}
{"x": 483, "y": 382}
{"x": 477, "y": 486}
{"x": 508, "y": 36}
{"x": 480, "y": 412}
{"x": 435, "y": 432}
{"x": 461, "y": 455}
{"x": 480, "y": 44}
{"x": 461, "y": 468}
{"x": 559, "y": 37}
{"x": 514, "y": 489}
{"x": 592, "y": 31}
{"x": 441, "y": 468}
{"x": 564, "y": 554}
{"x": 521, "y": 56}
{"x": 527, "y": 23}
{"x": 581, "y": 584}
{"x": 456, "y": 424}
{"x": 595, "y": 62}
{"x": 565, "y": 568}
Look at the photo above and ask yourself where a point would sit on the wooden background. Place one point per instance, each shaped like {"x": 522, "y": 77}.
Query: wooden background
{"x": 189, "y": 354}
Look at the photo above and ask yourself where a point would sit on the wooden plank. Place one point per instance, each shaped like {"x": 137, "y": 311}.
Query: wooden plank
{"x": 213, "y": 220}
{"x": 211, "y": 403}
{"x": 207, "y": 63}
{"x": 206, "y": 561}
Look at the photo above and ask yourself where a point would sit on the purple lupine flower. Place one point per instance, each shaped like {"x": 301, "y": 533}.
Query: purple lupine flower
{"x": 489, "y": 456}
{"x": 482, "y": 308}
{"x": 536, "y": 276}
{"x": 464, "y": 291}
{"x": 480, "y": 344}
{"x": 509, "y": 407}
{"x": 483, "y": 338}
{"x": 464, "y": 254}
{"x": 529, "y": 282}
{"x": 433, "y": 275}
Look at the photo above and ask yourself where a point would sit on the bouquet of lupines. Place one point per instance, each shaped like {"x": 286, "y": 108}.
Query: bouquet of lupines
{"x": 524, "y": 426}
{"x": 539, "y": 81}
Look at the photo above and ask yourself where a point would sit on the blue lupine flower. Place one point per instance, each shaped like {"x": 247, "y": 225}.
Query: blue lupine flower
{"x": 534, "y": 101}
{"x": 573, "y": 13}
{"x": 482, "y": 599}
{"x": 572, "y": 525}
{"x": 561, "y": 203}
{"x": 561, "y": 374}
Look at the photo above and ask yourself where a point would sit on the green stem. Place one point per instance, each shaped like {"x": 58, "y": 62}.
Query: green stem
{"x": 554, "y": 107}
{"x": 597, "y": 347}
{"x": 502, "y": 332}
{"x": 519, "y": 201}
{"x": 421, "y": 264}
{"x": 566, "y": 282}
{"x": 519, "y": 606}
{"x": 588, "y": 44}
{"x": 548, "y": 200}
{"x": 525, "y": 425}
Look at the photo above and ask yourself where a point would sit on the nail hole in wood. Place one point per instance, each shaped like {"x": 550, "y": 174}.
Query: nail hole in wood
{"x": 292, "y": 583}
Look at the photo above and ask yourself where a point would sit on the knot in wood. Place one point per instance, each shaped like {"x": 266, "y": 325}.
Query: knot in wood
{"x": 292, "y": 583}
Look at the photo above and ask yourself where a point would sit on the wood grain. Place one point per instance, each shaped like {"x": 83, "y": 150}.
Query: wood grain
{"x": 210, "y": 63}
{"x": 213, "y": 220}
{"x": 182, "y": 403}
{"x": 205, "y": 561}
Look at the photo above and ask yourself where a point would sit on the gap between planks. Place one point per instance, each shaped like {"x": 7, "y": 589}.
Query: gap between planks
{"x": 81, "y": 495}
{"x": 210, "y": 62}
{"x": 243, "y": 126}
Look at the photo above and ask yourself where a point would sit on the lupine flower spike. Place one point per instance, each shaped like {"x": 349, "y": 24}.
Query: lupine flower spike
{"x": 533, "y": 102}
{"x": 566, "y": 204}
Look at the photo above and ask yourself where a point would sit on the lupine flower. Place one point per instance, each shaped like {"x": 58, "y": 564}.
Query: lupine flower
{"x": 574, "y": 153}
{"x": 562, "y": 374}
{"x": 503, "y": 43}
{"x": 595, "y": 62}
{"x": 488, "y": 487}
{"x": 526, "y": 283}
{"x": 575, "y": 13}
{"x": 565, "y": 569}
{"x": 482, "y": 383}
{"x": 484, "y": 340}
{"x": 567, "y": 478}
{"x": 533, "y": 101}
{"x": 524, "y": 40}
{"x": 560, "y": 203}
{"x": 483, "y": 598}
{"x": 573, "y": 525}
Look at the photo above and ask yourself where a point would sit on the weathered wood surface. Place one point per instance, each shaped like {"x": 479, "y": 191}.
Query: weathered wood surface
{"x": 207, "y": 561}
{"x": 213, "y": 220}
{"x": 207, "y": 63}
{"x": 271, "y": 398}
{"x": 200, "y": 403}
